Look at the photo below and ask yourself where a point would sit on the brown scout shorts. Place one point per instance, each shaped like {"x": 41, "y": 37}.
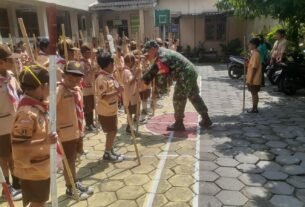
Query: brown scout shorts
{"x": 88, "y": 104}
{"x": 5, "y": 146}
{"x": 145, "y": 94}
{"x": 254, "y": 88}
{"x": 108, "y": 123}
{"x": 36, "y": 191}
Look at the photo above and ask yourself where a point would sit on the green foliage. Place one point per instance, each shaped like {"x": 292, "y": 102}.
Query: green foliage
{"x": 234, "y": 47}
{"x": 290, "y": 12}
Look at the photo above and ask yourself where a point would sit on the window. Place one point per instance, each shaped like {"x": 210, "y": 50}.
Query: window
{"x": 215, "y": 28}
{"x": 63, "y": 17}
{"x": 4, "y": 23}
{"x": 30, "y": 21}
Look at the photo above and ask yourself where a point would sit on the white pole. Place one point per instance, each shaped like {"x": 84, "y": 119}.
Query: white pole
{"x": 53, "y": 153}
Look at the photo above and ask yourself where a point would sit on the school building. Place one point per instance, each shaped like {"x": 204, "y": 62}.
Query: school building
{"x": 192, "y": 21}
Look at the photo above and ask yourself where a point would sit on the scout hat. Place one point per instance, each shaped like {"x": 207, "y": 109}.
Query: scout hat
{"x": 74, "y": 68}
{"x": 5, "y": 52}
{"x": 85, "y": 48}
{"x": 150, "y": 44}
{"x": 33, "y": 76}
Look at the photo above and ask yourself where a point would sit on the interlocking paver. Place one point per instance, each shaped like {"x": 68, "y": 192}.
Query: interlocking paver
{"x": 229, "y": 183}
{"x": 278, "y": 187}
{"x": 297, "y": 181}
{"x": 275, "y": 175}
{"x": 226, "y": 162}
{"x": 179, "y": 194}
{"x": 293, "y": 169}
{"x": 285, "y": 201}
{"x": 181, "y": 180}
{"x": 287, "y": 160}
{"x": 208, "y": 188}
{"x": 228, "y": 172}
{"x": 247, "y": 158}
{"x": 252, "y": 179}
{"x": 254, "y": 193}
{"x": 232, "y": 198}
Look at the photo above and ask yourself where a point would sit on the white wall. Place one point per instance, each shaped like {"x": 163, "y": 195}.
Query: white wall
{"x": 188, "y": 6}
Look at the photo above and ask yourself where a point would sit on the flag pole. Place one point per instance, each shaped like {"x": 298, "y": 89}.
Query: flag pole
{"x": 52, "y": 27}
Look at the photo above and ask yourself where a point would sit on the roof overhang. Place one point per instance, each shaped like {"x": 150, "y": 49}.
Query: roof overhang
{"x": 122, "y": 5}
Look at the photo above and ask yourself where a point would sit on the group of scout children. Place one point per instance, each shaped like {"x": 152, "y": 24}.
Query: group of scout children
{"x": 29, "y": 121}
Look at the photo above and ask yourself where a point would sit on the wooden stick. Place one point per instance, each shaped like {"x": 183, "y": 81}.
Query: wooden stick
{"x": 81, "y": 36}
{"x": 64, "y": 42}
{"x": 244, "y": 86}
{"x": 133, "y": 136}
{"x": 5, "y": 189}
{"x": 11, "y": 42}
{"x": 26, "y": 38}
{"x": 1, "y": 40}
{"x": 154, "y": 96}
{"x": 110, "y": 40}
{"x": 35, "y": 45}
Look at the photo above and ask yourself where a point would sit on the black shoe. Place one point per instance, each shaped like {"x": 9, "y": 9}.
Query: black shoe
{"x": 177, "y": 126}
{"x": 144, "y": 112}
{"x": 128, "y": 131}
{"x": 252, "y": 111}
{"x": 206, "y": 121}
{"x": 93, "y": 126}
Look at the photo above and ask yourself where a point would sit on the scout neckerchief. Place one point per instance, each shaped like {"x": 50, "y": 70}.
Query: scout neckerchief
{"x": 88, "y": 69}
{"x": 42, "y": 53}
{"x": 110, "y": 76}
{"x": 60, "y": 60}
{"x": 28, "y": 101}
{"x": 163, "y": 68}
{"x": 12, "y": 93}
{"x": 78, "y": 106}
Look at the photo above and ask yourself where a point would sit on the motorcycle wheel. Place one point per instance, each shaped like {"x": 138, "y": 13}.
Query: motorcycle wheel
{"x": 287, "y": 85}
{"x": 271, "y": 77}
{"x": 232, "y": 72}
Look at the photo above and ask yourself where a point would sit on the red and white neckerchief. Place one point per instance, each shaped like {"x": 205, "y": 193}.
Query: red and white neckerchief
{"x": 28, "y": 101}
{"x": 110, "y": 76}
{"x": 78, "y": 106}
{"x": 60, "y": 60}
{"x": 12, "y": 93}
{"x": 42, "y": 53}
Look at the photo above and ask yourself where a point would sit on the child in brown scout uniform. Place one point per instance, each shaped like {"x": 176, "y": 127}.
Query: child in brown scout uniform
{"x": 107, "y": 90}
{"x": 130, "y": 77}
{"x": 8, "y": 105}
{"x": 88, "y": 86}
{"x": 254, "y": 74}
{"x": 31, "y": 139}
{"x": 70, "y": 119}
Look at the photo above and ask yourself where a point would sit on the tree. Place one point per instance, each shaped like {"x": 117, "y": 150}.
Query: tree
{"x": 289, "y": 12}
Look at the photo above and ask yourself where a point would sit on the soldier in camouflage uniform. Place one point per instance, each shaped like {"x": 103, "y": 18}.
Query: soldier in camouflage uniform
{"x": 171, "y": 64}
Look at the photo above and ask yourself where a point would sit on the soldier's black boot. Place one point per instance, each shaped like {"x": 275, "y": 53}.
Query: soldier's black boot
{"x": 177, "y": 126}
{"x": 206, "y": 121}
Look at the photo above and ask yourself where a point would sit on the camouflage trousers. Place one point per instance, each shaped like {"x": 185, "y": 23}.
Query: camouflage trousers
{"x": 187, "y": 89}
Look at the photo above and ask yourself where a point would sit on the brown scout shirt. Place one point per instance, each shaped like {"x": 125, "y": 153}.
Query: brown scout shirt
{"x": 7, "y": 109}
{"x": 89, "y": 77}
{"x": 254, "y": 62}
{"x": 66, "y": 120}
{"x": 105, "y": 83}
{"x": 31, "y": 154}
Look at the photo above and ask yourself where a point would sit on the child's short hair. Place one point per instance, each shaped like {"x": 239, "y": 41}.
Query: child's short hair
{"x": 33, "y": 76}
{"x": 104, "y": 59}
{"x": 281, "y": 32}
{"x": 129, "y": 58}
{"x": 255, "y": 41}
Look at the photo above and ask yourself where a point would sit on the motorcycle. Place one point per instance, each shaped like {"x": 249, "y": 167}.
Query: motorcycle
{"x": 274, "y": 72}
{"x": 292, "y": 78}
{"x": 236, "y": 66}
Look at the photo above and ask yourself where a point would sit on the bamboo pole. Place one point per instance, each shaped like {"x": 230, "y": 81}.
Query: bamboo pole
{"x": 133, "y": 136}
{"x": 35, "y": 45}
{"x": 11, "y": 42}
{"x": 26, "y": 39}
{"x": 64, "y": 42}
